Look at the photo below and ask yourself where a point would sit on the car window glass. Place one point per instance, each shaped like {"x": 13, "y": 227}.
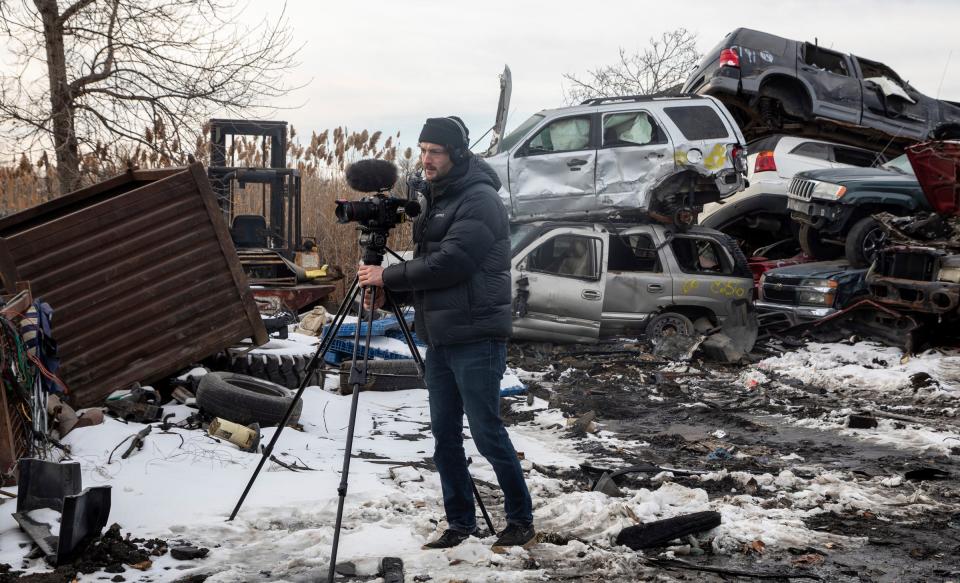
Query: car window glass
{"x": 697, "y": 255}
{"x": 697, "y": 122}
{"x": 872, "y": 70}
{"x": 900, "y": 164}
{"x": 563, "y": 135}
{"x": 567, "y": 255}
{"x": 853, "y": 157}
{"x": 825, "y": 60}
{"x": 633, "y": 253}
{"x": 635, "y": 128}
{"x": 521, "y": 130}
{"x": 812, "y": 150}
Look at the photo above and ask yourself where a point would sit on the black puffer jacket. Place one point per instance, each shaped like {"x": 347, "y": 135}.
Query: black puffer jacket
{"x": 460, "y": 274}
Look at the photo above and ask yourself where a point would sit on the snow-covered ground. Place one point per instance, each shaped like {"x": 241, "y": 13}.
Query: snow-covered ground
{"x": 183, "y": 485}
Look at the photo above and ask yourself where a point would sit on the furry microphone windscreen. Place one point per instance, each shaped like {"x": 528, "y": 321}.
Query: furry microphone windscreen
{"x": 371, "y": 175}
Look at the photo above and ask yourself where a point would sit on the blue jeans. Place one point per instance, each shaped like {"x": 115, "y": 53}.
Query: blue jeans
{"x": 466, "y": 378}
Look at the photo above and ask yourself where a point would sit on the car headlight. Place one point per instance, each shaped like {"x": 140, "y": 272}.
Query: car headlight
{"x": 817, "y": 292}
{"x": 828, "y": 190}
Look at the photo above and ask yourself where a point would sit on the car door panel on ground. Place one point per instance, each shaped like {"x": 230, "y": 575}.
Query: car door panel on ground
{"x": 635, "y": 152}
{"x": 565, "y": 275}
{"x": 638, "y": 280}
{"x": 558, "y": 162}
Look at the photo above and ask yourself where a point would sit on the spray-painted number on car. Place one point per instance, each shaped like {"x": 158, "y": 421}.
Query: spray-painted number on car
{"x": 728, "y": 289}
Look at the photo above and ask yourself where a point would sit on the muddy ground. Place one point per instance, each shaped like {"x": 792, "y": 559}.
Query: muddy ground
{"x": 637, "y": 398}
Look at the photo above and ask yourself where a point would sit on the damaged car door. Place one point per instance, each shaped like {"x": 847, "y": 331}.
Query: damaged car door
{"x": 561, "y": 277}
{"x": 638, "y": 283}
{"x": 635, "y": 152}
{"x": 708, "y": 277}
{"x": 834, "y": 83}
{"x": 556, "y": 166}
{"x": 890, "y": 103}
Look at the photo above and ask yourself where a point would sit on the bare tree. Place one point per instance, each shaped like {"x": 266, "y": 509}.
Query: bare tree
{"x": 658, "y": 68}
{"x": 90, "y": 74}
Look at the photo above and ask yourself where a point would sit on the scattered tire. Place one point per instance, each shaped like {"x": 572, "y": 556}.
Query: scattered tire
{"x": 660, "y": 532}
{"x": 245, "y": 399}
{"x": 813, "y": 246}
{"x": 384, "y": 375}
{"x": 284, "y": 370}
{"x": 668, "y": 324}
{"x": 864, "y": 241}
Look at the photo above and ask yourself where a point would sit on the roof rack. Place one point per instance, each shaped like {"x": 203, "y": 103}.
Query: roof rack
{"x": 655, "y": 97}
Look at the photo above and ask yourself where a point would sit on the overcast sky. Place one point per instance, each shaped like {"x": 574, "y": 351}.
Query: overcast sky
{"x": 387, "y": 64}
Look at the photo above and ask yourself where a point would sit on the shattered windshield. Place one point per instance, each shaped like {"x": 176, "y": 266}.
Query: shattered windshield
{"x": 900, "y": 164}
{"x": 520, "y": 235}
{"x": 517, "y": 134}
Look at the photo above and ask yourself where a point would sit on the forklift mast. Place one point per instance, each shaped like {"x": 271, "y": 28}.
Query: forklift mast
{"x": 279, "y": 228}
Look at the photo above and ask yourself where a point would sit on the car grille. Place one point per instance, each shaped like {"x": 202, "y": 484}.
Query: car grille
{"x": 917, "y": 266}
{"x": 800, "y": 188}
{"x": 780, "y": 292}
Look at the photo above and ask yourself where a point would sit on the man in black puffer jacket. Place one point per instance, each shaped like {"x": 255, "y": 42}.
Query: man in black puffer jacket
{"x": 459, "y": 280}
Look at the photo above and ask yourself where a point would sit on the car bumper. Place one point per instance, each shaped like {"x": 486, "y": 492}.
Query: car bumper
{"x": 817, "y": 214}
{"x": 794, "y": 314}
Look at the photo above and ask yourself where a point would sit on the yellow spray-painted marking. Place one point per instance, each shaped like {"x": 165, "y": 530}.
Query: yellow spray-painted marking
{"x": 689, "y": 286}
{"x": 717, "y": 157}
{"x": 729, "y": 289}
{"x": 680, "y": 158}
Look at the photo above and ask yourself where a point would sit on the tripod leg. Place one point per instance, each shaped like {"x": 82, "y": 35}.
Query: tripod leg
{"x": 358, "y": 378}
{"x": 317, "y": 357}
{"x": 483, "y": 509}
{"x": 405, "y": 330}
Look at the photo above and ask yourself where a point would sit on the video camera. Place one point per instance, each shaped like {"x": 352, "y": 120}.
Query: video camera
{"x": 382, "y": 211}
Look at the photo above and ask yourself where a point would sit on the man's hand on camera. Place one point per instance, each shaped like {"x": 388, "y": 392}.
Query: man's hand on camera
{"x": 370, "y": 275}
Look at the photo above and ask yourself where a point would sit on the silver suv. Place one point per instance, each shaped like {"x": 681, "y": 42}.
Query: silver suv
{"x": 655, "y": 156}
{"x": 578, "y": 282}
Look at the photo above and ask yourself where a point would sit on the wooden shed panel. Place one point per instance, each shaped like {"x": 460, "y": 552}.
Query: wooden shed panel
{"x": 141, "y": 274}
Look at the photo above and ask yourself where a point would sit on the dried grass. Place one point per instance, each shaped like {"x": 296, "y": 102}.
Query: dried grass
{"x": 321, "y": 160}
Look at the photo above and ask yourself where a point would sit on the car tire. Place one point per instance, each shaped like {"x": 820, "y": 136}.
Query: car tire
{"x": 813, "y": 246}
{"x": 384, "y": 375}
{"x": 668, "y": 324}
{"x": 660, "y": 532}
{"x": 245, "y": 399}
{"x": 863, "y": 242}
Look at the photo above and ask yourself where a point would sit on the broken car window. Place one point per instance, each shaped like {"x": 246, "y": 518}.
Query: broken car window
{"x": 563, "y": 135}
{"x": 635, "y": 128}
{"x": 516, "y": 135}
{"x": 854, "y": 157}
{"x": 633, "y": 253}
{"x": 696, "y": 255}
{"x": 568, "y": 255}
{"x": 816, "y": 150}
{"x": 825, "y": 60}
{"x": 697, "y": 122}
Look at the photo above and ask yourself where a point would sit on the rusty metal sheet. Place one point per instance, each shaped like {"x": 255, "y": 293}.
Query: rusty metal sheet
{"x": 141, "y": 274}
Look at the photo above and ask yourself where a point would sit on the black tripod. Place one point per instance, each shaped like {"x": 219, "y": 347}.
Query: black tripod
{"x": 373, "y": 242}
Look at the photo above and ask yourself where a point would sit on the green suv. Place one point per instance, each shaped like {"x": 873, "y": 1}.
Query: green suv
{"x": 835, "y": 208}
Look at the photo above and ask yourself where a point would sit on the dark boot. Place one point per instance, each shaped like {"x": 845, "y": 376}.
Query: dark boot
{"x": 515, "y": 535}
{"x": 449, "y": 538}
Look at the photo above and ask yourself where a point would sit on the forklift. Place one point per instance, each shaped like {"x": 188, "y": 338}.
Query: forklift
{"x": 283, "y": 270}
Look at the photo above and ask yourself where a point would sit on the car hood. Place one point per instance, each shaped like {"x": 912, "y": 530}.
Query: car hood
{"x": 865, "y": 175}
{"x": 816, "y": 270}
{"x": 937, "y": 165}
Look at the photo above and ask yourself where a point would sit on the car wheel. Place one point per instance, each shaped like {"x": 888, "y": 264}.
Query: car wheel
{"x": 813, "y": 246}
{"x": 864, "y": 241}
{"x": 668, "y": 324}
{"x": 244, "y": 399}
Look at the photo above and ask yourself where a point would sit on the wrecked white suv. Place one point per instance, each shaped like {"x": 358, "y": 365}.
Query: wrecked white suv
{"x": 622, "y": 156}
{"x": 582, "y": 281}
